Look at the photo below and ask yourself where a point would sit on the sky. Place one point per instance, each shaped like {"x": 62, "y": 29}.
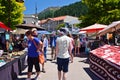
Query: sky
{"x": 43, "y": 4}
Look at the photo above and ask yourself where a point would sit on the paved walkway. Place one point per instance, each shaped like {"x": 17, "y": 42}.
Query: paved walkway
{"x": 78, "y": 70}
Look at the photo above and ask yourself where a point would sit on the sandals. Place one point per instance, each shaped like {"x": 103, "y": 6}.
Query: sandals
{"x": 43, "y": 70}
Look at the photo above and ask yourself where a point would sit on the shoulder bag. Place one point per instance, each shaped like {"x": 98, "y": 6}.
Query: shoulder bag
{"x": 41, "y": 55}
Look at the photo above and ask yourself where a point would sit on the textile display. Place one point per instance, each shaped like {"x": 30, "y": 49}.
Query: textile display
{"x": 105, "y": 62}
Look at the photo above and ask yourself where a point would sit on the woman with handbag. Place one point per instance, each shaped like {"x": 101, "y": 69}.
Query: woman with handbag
{"x": 33, "y": 54}
{"x": 41, "y": 54}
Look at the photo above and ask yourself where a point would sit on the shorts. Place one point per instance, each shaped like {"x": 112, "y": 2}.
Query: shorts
{"x": 33, "y": 61}
{"x": 63, "y": 64}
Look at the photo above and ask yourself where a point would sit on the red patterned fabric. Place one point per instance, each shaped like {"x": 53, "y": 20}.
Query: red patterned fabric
{"x": 105, "y": 62}
{"x": 108, "y": 52}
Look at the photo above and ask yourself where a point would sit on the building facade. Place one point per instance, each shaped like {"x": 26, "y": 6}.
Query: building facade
{"x": 30, "y": 19}
{"x": 51, "y": 24}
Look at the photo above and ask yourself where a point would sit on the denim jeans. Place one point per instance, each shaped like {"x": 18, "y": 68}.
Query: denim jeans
{"x": 45, "y": 53}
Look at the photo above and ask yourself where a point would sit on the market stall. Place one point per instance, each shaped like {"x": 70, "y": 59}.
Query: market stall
{"x": 11, "y": 60}
{"x": 29, "y": 26}
{"x": 4, "y": 35}
{"x": 11, "y": 64}
{"x": 114, "y": 26}
{"x": 105, "y": 62}
{"x": 112, "y": 29}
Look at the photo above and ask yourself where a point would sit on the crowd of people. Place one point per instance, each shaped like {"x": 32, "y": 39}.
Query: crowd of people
{"x": 63, "y": 48}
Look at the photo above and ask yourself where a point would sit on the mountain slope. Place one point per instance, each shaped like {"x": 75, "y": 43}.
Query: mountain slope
{"x": 47, "y": 13}
{"x": 76, "y": 9}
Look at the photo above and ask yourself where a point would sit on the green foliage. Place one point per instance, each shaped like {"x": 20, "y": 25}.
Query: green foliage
{"x": 11, "y": 12}
{"x": 101, "y": 11}
{"x": 60, "y": 26}
{"x": 47, "y": 13}
{"x": 76, "y": 9}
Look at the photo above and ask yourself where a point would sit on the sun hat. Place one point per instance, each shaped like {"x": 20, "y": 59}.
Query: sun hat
{"x": 34, "y": 29}
{"x": 62, "y": 31}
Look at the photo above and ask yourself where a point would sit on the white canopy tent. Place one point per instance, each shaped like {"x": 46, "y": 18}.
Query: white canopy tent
{"x": 95, "y": 28}
{"x": 20, "y": 31}
{"x": 111, "y": 28}
{"x": 82, "y": 32}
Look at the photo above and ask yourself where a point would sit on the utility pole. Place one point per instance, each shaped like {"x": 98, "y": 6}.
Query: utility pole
{"x": 35, "y": 9}
{"x": 36, "y": 17}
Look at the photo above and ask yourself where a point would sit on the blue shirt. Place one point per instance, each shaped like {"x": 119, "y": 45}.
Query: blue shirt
{"x": 53, "y": 41}
{"x": 32, "y": 50}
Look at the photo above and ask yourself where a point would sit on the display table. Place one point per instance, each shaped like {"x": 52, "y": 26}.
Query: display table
{"x": 11, "y": 69}
{"x": 21, "y": 63}
{"x": 105, "y": 62}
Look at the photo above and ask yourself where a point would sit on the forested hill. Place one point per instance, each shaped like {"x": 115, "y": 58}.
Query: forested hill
{"x": 76, "y": 9}
{"x": 48, "y": 13}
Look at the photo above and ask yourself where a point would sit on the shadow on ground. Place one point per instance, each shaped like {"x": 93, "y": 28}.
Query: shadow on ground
{"x": 85, "y": 61}
{"x": 82, "y": 55}
{"x": 91, "y": 74}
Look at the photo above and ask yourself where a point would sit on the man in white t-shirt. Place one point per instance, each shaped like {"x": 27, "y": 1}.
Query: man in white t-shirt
{"x": 63, "y": 53}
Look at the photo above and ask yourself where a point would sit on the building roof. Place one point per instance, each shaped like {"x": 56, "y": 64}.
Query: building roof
{"x": 64, "y": 18}
{"x": 43, "y": 21}
{"x": 59, "y": 18}
{"x": 53, "y": 19}
{"x": 29, "y": 26}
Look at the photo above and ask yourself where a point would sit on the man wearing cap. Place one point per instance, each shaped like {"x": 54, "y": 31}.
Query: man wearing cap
{"x": 63, "y": 53}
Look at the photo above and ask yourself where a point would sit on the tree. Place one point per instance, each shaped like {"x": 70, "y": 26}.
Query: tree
{"x": 60, "y": 26}
{"x": 101, "y": 11}
{"x": 11, "y": 12}
{"x": 76, "y": 9}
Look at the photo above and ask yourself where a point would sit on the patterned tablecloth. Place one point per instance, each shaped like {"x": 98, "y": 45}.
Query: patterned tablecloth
{"x": 105, "y": 62}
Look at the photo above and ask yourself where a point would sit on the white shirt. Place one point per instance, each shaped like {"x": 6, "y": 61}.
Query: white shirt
{"x": 45, "y": 42}
{"x": 63, "y": 43}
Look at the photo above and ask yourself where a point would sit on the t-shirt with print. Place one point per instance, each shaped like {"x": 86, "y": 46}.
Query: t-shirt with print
{"x": 63, "y": 46}
{"x": 32, "y": 50}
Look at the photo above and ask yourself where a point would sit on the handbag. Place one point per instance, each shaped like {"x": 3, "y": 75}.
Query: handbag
{"x": 41, "y": 58}
{"x": 41, "y": 55}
